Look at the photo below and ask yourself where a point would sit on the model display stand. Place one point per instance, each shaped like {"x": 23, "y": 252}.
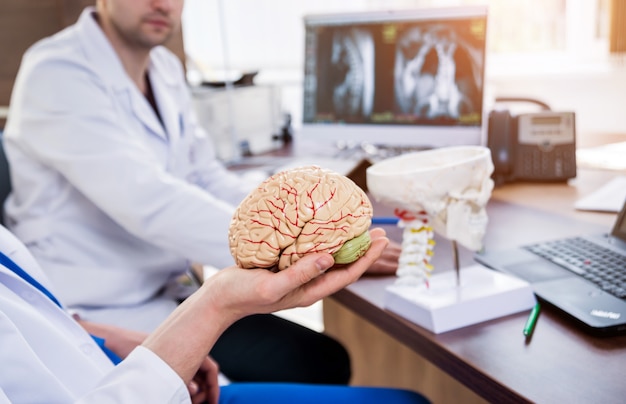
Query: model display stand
{"x": 483, "y": 295}
{"x": 444, "y": 191}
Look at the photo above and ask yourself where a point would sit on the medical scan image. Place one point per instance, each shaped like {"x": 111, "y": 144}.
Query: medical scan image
{"x": 437, "y": 73}
{"x": 301, "y": 211}
{"x": 350, "y": 73}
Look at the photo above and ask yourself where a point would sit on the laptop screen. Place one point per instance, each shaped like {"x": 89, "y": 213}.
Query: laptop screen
{"x": 619, "y": 230}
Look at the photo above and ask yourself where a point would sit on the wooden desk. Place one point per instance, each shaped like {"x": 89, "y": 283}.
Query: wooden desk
{"x": 489, "y": 361}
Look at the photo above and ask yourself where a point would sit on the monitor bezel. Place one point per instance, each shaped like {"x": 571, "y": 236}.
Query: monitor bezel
{"x": 422, "y": 136}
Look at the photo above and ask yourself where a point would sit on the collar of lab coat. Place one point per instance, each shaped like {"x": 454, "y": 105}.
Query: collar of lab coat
{"x": 105, "y": 60}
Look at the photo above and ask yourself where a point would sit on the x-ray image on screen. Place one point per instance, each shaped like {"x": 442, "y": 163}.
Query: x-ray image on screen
{"x": 395, "y": 77}
{"x": 437, "y": 74}
{"x": 347, "y": 73}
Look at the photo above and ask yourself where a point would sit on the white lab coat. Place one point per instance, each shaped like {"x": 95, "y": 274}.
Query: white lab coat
{"x": 47, "y": 357}
{"x": 110, "y": 203}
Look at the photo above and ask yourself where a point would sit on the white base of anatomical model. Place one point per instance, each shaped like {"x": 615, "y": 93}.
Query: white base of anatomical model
{"x": 442, "y": 306}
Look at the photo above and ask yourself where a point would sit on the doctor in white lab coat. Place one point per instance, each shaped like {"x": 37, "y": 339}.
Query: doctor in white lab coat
{"x": 69, "y": 144}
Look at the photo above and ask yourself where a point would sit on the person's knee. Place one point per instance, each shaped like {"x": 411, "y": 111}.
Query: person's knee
{"x": 336, "y": 364}
{"x": 270, "y": 349}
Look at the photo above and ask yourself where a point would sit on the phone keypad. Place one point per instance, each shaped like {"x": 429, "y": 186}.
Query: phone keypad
{"x": 535, "y": 163}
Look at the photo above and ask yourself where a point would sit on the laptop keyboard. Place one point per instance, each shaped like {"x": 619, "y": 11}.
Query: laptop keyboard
{"x": 604, "y": 267}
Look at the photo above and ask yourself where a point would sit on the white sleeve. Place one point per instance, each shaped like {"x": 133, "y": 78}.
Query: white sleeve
{"x": 140, "y": 378}
{"x": 3, "y": 398}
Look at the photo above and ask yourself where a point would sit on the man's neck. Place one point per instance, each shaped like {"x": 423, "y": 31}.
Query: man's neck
{"x": 136, "y": 66}
{"x": 134, "y": 59}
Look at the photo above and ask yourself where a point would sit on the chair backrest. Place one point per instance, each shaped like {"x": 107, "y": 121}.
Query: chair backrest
{"x": 5, "y": 179}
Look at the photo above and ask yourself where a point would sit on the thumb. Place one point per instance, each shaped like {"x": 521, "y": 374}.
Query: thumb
{"x": 304, "y": 271}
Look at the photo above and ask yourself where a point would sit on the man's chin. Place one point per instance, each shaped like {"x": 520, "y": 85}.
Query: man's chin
{"x": 153, "y": 39}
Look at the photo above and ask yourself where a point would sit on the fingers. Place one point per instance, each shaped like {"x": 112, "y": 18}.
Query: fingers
{"x": 376, "y": 233}
{"x": 300, "y": 273}
{"x": 205, "y": 388}
{"x": 333, "y": 281}
{"x": 394, "y": 247}
{"x": 383, "y": 267}
{"x": 243, "y": 292}
{"x": 213, "y": 393}
{"x": 312, "y": 266}
{"x": 352, "y": 272}
{"x": 198, "y": 396}
{"x": 387, "y": 264}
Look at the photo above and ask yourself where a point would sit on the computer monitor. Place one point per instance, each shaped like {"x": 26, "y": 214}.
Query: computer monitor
{"x": 411, "y": 78}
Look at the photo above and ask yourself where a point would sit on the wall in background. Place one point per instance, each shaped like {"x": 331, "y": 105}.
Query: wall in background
{"x": 596, "y": 93}
{"x": 268, "y": 35}
{"x": 597, "y": 96}
{"x": 23, "y": 22}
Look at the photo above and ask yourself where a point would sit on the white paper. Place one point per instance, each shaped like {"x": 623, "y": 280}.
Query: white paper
{"x": 608, "y": 157}
{"x": 608, "y": 198}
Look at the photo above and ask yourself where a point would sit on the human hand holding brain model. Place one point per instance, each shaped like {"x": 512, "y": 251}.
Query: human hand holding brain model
{"x": 297, "y": 212}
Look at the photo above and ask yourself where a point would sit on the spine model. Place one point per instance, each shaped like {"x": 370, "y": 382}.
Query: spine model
{"x": 414, "y": 267}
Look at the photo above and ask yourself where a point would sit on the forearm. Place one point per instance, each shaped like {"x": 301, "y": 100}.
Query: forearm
{"x": 189, "y": 333}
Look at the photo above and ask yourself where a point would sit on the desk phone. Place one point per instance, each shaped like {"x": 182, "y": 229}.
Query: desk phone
{"x": 535, "y": 146}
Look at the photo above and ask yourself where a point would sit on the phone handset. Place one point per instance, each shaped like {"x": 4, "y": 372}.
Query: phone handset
{"x": 502, "y": 137}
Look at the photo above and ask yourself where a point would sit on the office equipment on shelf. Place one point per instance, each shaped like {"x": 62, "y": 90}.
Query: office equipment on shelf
{"x": 270, "y": 165}
{"x": 584, "y": 276}
{"x": 340, "y": 166}
{"x": 241, "y": 120}
{"x": 444, "y": 191}
{"x": 405, "y": 78}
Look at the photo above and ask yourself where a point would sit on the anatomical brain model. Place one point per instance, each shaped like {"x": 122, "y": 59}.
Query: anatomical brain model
{"x": 297, "y": 212}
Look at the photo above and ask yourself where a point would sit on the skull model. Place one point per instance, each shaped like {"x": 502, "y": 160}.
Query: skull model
{"x": 445, "y": 190}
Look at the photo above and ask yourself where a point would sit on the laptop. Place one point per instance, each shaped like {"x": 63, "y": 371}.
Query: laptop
{"x": 584, "y": 276}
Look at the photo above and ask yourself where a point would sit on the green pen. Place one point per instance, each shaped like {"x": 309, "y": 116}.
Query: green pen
{"x": 532, "y": 320}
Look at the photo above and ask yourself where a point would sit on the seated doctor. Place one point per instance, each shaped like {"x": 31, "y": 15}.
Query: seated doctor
{"x": 48, "y": 357}
{"x": 116, "y": 189}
